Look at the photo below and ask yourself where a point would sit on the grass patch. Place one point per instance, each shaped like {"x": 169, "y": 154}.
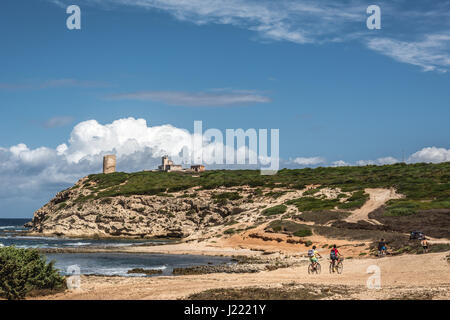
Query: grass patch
{"x": 62, "y": 206}
{"x": 276, "y": 194}
{"x": 398, "y": 208}
{"x": 322, "y": 217}
{"x": 313, "y": 204}
{"x": 356, "y": 201}
{"x": 227, "y": 195}
{"x": 303, "y": 233}
{"x": 230, "y": 231}
{"x": 311, "y": 191}
{"x": 280, "y": 209}
{"x": 293, "y": 228}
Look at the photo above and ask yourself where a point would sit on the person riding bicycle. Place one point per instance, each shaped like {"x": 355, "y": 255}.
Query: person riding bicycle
{"x": 382, "y": 247}
{"x": 424, "y": 243}
{"x": 334, "y": 256}
{"x": 313, "y": 256}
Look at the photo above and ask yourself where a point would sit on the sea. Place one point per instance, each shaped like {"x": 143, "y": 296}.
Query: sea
{"x": 109, "y": 263}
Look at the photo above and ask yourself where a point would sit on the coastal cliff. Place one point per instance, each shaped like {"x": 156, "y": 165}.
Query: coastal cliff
{"x": 172, "y": 215}
{"x": 85, "y": 210}
{"x": 221, "y": 203}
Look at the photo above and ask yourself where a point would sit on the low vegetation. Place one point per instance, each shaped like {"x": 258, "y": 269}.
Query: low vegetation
{"x": 25, "y": 272}
{"x": 285, "y": 292}
{"x": 290, "y": 227}
{"x": 356, "y": 201}
{"x": 322, "y": 217}
{"x": 280, "y": 209}
{"x": 418, "y": 181}
{"x": 397, "y": 208}
{"x": 313, "y": 204}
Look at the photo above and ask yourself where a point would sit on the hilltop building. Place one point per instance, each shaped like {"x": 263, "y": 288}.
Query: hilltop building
{"x": 198, "y": 168}
{"x": 168, "y": 165}
{"x": 109, "y": 164}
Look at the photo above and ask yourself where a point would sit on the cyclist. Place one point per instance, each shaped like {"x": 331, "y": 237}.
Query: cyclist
{"x": 334, "y": 256}
{"x": 313, "y": 256}
{"x": 424, "y": 243}
{"x": 382, "y": 247}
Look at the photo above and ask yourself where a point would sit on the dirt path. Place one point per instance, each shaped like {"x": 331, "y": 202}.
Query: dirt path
{"x": 378, "y": 197}
{"x": 408, "y": 272}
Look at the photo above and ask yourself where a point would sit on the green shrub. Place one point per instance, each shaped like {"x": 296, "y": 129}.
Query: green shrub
{"x": 311, "y": 192}
{"x": 404, "y": 207}
{"x": 23, "y": 271}
{"x": 62, "y": 206}
{"x": 227, "y": 195}
{"x": 303, "y": 233}
{"x": 229, "y": 231}
{"x": 296, "y": 229}
{"x": 274, "y": 194}
{"x": 313, "y": 204}
{"x": 280, "y": 209}
{"x": 357, "y": 200}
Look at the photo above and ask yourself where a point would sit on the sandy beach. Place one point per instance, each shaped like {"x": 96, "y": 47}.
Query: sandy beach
{"x": 401, "y": 277}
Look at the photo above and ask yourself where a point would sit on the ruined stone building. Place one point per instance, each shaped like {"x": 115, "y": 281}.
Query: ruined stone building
{"x": 168, "y": 165}
{"x": 198, "y": 168}
{"x": 109, "y": 164}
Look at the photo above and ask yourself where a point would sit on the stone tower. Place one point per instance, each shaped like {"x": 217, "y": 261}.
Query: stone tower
{"x": 109, "y": 164}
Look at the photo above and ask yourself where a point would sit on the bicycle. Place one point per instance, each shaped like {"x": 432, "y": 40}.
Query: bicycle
{"x": 317, "y": 269}
{"x": 339, "y": 266}
{"x": 382, "y": 253}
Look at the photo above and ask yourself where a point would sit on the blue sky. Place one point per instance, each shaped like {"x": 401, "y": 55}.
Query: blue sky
{"x": 336, "y": 90}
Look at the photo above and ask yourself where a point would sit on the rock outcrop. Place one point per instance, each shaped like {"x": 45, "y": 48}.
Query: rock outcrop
{"x": 77, "y": 212}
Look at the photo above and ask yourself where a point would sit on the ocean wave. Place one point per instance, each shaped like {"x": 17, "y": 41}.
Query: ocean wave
{"x": 8, "y": 227}
{"x": 78, "y": 244}
{"x": 121, "y": 244}
{"x": 158, "y": 268}
{"x": 39, "y": 238}
{"x": 1, "y": 245}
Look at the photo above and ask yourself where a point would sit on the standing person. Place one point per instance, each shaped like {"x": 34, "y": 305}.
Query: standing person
{"x": 382, "y": 247}
{"x": 334, "y": 256}
{"x": 424, "y": 243}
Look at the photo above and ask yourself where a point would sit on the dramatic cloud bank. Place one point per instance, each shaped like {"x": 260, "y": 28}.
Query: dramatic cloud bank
{"x": 39, "y": 173}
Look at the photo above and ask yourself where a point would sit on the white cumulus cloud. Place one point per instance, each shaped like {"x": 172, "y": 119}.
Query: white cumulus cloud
{"x": 309, "y": 161}
{"x": 379, "y": 161}
{"x": 340, "y": 163}
{"x": 431, "y": 154}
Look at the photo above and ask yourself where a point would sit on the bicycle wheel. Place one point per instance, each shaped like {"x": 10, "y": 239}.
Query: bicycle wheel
{"x": 331, "y": 267}
{"x": 340, "y": 267}
{"x": 310, "y": 269}
{"x": 318, "y": 268}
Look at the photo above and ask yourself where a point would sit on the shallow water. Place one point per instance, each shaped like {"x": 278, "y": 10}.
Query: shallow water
{"x": 110, "y": 263}
{"x": 118, "y": 264}
{"x": 10, "y": 235}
